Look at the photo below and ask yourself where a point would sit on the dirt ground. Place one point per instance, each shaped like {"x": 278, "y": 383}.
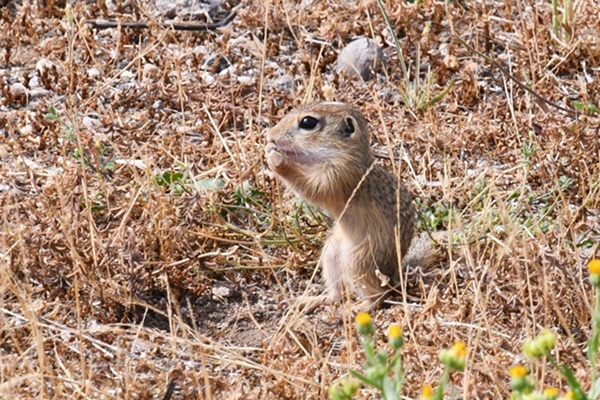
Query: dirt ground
{"x": 146, "y": 252}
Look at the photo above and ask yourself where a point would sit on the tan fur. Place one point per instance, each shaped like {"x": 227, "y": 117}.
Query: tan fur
{"x": 331, "y": 166}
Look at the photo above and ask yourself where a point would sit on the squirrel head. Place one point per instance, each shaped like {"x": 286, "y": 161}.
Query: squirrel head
{"x": 321, "y": 150}
{"x": 320, "y": 133}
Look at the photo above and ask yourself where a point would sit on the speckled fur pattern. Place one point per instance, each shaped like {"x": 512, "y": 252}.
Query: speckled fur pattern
{"x": 332, "y": 167}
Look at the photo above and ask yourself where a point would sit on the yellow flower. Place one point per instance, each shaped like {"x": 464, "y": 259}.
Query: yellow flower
{"x": 459, "y": 349}
{"x": 594, "y": 267}
{"x": 395, "y": 331}
{"x": 551, "y": 393}
{"x": 519, "y": 380}
{"x": 426, "y": 392}
{"x": 363, "y": 319}
{"x": 569, "y": 395}
{"x": 364, "y": 323}
{"x": 455, "y": 357}
{"x": 395, "y": 336}
{"x": 518, "y": 371}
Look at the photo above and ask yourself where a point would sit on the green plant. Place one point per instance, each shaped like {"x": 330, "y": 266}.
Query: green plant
{"x": 541, "y": 346}
{"x": 53, "y": 116}
{"x": 383, "y": 371}
{"x": 209, "y": 184}
{"x": 562, "y": 27}
{"x": 416, "y": 95}
{"x": 97, "y": 156}
{"x": 528, "y": 150}
{"x": 173, "y": 181}
{"x": 433, "y": 217}
{"x": 247, "y": 194}
{"x": 589, "y": 108}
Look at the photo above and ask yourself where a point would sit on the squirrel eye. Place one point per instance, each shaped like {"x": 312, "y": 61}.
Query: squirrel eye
{"x": 308, "y": 123}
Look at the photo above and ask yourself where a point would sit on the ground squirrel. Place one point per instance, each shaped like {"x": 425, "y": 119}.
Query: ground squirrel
{"x": 322, "y": 152}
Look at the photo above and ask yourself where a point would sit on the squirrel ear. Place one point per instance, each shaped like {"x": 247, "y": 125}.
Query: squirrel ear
{"x": 349, "y": 128}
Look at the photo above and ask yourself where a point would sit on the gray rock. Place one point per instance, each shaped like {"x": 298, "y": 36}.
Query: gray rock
{"x": 360, "y": 57}
{"x": 93, "y": 72}
{"x": 17, "y": 89}
{"x": 45, "y": 66}
{"x": 285, "y": 83}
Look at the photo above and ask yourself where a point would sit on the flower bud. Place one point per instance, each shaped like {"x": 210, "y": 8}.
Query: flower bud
{"x": 395, "y": 337}
{"x": 455, "y": 357}
{"x": 594, "y": 269}
{"x": 519, "y": 381}
{"x": 364, "y": 324}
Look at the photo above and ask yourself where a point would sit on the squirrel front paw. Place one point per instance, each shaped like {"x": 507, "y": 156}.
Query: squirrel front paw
{"x": 275, "y": 159}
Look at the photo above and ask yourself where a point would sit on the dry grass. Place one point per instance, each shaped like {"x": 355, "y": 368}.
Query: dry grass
{"x": 144, "y": 248}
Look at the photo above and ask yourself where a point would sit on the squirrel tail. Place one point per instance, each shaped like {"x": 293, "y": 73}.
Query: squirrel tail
{"x": 426, "y": 251}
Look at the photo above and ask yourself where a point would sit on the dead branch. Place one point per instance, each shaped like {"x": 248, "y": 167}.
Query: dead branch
{"x": 177, "y": 26}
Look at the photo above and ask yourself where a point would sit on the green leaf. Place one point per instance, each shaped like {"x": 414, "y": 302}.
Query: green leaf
{"x": 172, "y": 177}
{"x": 590, "y": 108}
{"x": 389, "y": 390}
{"x": 210, "y": 184}
{"x": 109, "y": 166}
{"x": 96, "y": 207}
{"x": 573, "y": 383}
{"x": 440, "y": 96}
{"x": 364, "y": 379}
{"x": 595, "y": 392}
{"x": 52, "y": 114}
{"x": 168, "y": 178}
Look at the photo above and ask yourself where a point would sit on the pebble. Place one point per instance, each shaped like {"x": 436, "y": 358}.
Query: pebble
{"x": 91, "y": 123}
{"x": 150, "y": 71}
{"x": 284, "y": 83}
{"x": 17, "y": 89}
{"x": 360, "y": 57}
{"x": 93, "y": 72}
{"x": 44, "y": 65}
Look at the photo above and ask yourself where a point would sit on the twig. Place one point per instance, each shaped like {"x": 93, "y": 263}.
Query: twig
{"x": 170, "y": 390}
{"x": 177, "y": 26}
{"x": 572, "y": 112}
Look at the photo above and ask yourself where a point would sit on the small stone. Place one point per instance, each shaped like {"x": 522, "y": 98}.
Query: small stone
{"x": 44, "y": 65}
{"x": 150, "y": 71}
{"x": 26, "y": 130}
{"x": 127, "y": 75}
{"x": 245, "y": 80}
{"x": 90, "y": 123}
{"x": 39, "y": 92}
{"x": 221, "y": 291}
{"x": 93, "y": 72}
{"x": 17, "y": 90}
{"x": 34, "y": 82}
{"x": 360, "y": 57}
{"x": 284, "y": 83}
{"x": 207, "y": 77}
